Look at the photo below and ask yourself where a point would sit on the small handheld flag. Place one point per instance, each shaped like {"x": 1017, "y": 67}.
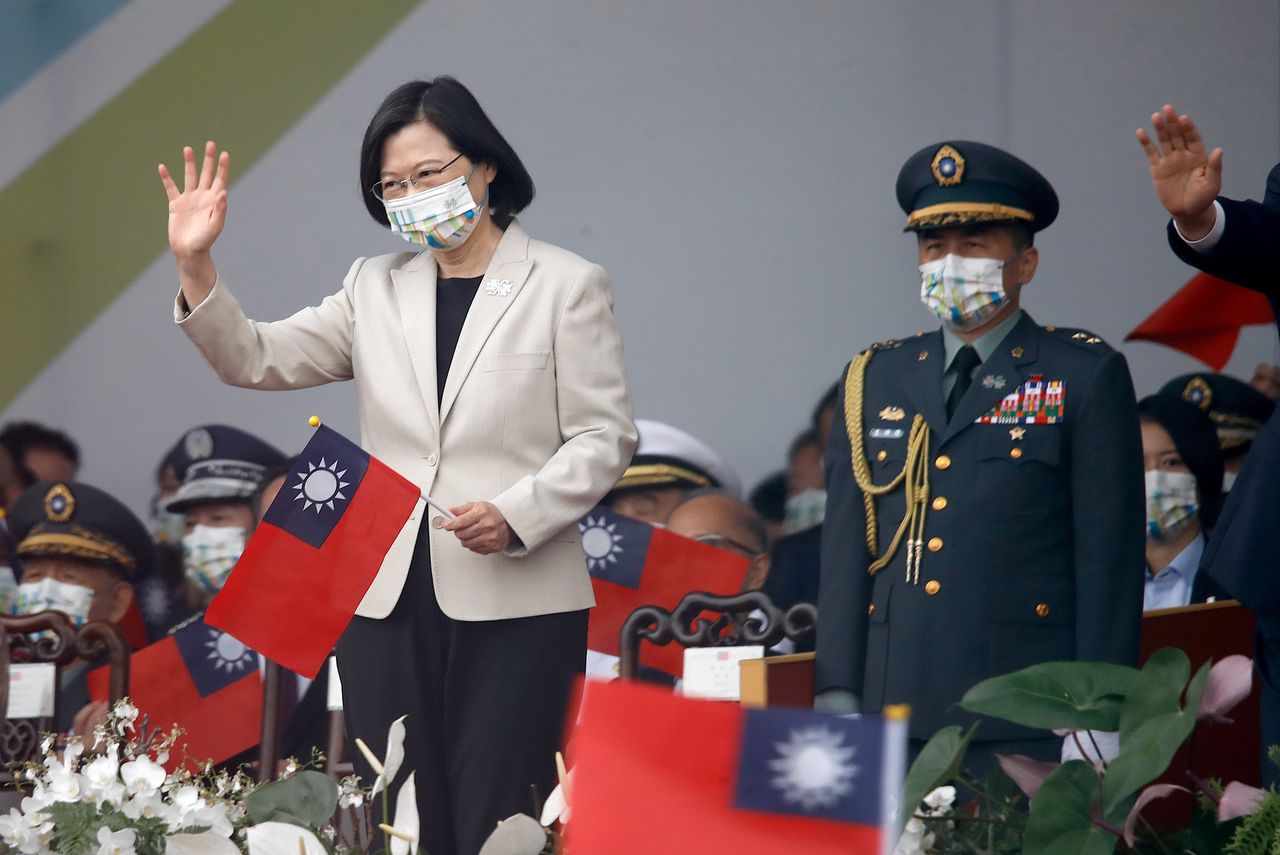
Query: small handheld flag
{"x": 1203, "y": 319}
{"x": 315, "y": 553}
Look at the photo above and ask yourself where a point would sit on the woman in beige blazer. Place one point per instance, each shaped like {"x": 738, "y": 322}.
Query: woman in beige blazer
{"x": 488, "y": 370}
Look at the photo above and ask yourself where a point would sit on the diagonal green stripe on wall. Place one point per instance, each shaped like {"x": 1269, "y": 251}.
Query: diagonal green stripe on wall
{"x": 87, "y": 218}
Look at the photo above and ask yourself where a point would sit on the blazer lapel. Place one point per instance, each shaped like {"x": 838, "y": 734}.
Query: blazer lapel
{"x": 924, "y": 385}
{"x": 1004, "y": 368}
{"x": 415, "y": 286}
{"x": 500, "y": 287}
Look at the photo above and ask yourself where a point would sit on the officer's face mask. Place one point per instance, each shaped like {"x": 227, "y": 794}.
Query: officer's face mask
{"x": 439, "y": 217}
{"x": 50, "y": 594}
{"x": 963, "y": 292}
{"x": 209, "y": 553}
{"x": 1172, "y": 504}
{"x": 805, "y": 510}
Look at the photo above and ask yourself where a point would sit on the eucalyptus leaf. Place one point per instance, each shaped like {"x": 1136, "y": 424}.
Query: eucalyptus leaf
{"x": 1156, "y": 691}
{"x": 308, "y": 798}
{"x": 1147, "y": 751}
{"x": 1061, "y": 817}
{"x": 1067, "y": 695}
{"x": 938, "y": 762}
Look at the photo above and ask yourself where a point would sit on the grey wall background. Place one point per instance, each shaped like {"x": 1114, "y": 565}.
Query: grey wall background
{"x": 731, "y": 162}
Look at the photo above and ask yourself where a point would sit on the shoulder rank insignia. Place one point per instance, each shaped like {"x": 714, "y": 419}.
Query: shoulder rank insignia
{"x": 893, "y": 414}
{"x": 1035, "y": 402}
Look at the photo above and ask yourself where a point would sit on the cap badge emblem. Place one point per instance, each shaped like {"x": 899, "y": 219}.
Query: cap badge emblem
{"x": 948, "y": 167}
{"x": 59, "y": 503}
{"x": 198, "y": 444}
{"x": 1197, "y": 392}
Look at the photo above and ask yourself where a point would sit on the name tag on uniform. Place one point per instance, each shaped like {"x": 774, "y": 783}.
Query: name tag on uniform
{"x": 1035, "y": 402}
{"x": 886, "y": 433}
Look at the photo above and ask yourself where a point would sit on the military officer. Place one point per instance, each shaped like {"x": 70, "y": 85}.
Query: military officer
{"x": 985, "y": 480}
{"x": 668, "y": 464}
{"x": 1237, "y": 410}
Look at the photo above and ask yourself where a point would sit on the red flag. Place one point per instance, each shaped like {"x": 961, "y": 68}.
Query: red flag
{"x": 634, "y": 564}
{"x": 1203, "y": 319}
{"x": 655, "y": 772}
{"x": 202, "y": 680}
{"x": 315, "y": 553}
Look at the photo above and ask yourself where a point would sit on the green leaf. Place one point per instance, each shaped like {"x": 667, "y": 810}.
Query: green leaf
{"x": 1075, "y": 695}
{"x": 938, "y": 762}
{"x": 1061, "y": 818}
{"x": 1156, "y": 691}
{"x": 308, "y": 798}
{"x": 1145, "y": 753}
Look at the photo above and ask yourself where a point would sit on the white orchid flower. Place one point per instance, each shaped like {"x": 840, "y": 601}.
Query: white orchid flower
{"x": 16, "y": 831}
{"x": 126, "y": 714}
{"x": 350, "y": 795}
{"x": 941, "y": 799}
{"x": 142, "y": 776}
{"x": 144, "y": 806}
{"x": 102, "y": 776}
{"x": 116, "y": 842}
{"x": 206, "y": 843}
{"x": 405, "y": 830}
{"x": 390, "y": 765}
{"x": 282, "y": 838}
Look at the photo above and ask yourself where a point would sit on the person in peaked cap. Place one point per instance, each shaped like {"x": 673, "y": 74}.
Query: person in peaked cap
{"x": 80, "y": 551}
{"x": 668, "y": 463}
{"x": 984, "y": 481}
{"x": 1234, "y": 240}
{"x": 221, "y": 468}
{"x": 1236, "y": 409}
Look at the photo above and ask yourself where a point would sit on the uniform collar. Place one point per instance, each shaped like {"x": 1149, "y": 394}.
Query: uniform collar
{"x": 986, "y": 344}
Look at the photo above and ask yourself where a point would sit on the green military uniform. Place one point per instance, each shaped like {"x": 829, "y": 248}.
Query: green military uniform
{"x": 1011, "y": 533}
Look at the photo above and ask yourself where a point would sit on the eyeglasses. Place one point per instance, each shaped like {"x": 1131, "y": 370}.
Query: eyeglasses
{"x": 420, "y": 180}
{"x": 727, "y": 543}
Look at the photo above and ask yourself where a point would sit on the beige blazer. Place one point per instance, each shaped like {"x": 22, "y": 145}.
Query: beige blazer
{"x": 535, "y": 415}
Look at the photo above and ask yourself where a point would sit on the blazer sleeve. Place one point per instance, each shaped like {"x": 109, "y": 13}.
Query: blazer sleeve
{"x": 844, "y": 588}
{"x": 594, "y": 411}
{"x": 310, "y": 348}
{"x": 1109, "y": 517}
{"x": 1248, "y": 253}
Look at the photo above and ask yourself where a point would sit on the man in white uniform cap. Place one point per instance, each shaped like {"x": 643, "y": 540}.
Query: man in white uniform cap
{"x": 667, "y": 464}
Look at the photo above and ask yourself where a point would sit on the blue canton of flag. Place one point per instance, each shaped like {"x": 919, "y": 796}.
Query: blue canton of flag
{"x": 616, "y": 547}
{"x": 214, "y": 659}
{"x": 813, "y": 765}
{"x": 318, "y": 490}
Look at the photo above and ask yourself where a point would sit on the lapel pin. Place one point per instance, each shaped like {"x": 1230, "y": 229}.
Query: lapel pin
{"x": 1016, "y": 353}
{"x": 498, "y": 287}
{"x": 993, "y": 381}
{"x": 893, "y": 414}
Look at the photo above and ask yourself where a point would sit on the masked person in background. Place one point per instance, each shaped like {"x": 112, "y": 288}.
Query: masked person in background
{"x": 221, "y": 469}
{"x": 1184, "y": 493}
{"x": 1237, "y": 409}
{"x": 984, "y": 481}
{"x": 80, "y": 550}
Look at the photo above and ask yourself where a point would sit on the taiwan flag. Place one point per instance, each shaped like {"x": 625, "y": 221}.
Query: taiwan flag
{"x": 202, "y": 680}
{"x": 315, "y": 553}
{"x": 1203, "y": 319}
{"x": 634, "y": 564}
{"x": 655, "y": 772}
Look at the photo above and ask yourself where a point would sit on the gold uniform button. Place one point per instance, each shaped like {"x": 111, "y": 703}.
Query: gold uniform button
{"x": 943, "y": 462}
{"x": 1015, "y": 453}
{"x": 882, "y": 454}
{"x": 932, "y": 587}
{"x": 940, "y": 503}
{"x": 871, "y": 608}
{"x": 437, "y": 522}
{"x": 935, "y": 544}
{"x": 1042, "y": 609}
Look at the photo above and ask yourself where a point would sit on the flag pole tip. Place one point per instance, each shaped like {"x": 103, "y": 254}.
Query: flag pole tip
{"x": 314, "y": 421}
{"x": 897, "y": 712}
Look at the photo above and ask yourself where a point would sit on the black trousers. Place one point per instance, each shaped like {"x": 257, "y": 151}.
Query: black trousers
{"x": 486, "y": 702}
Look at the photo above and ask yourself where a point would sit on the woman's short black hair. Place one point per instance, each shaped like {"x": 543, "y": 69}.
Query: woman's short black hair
{"x": 1196, "y": 440}
{"x": 451, "y": 109}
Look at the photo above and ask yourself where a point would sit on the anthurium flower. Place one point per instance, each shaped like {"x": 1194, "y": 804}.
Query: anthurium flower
{"x": 1238, "y": 800}
{"x": 282, "y": 838}
{"x": 1230, "y": 681}
{"x": 404, "y": 832}
{"x": 1028, "y": 774}
{"x": 387, "y": 768}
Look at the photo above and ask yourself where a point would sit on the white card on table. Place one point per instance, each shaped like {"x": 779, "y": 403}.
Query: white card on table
{"x": 712, "y": 672}
{"x": 31, "y": 690}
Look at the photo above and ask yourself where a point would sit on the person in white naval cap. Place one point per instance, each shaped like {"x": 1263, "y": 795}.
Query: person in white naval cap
{"x": 668, "y": 463}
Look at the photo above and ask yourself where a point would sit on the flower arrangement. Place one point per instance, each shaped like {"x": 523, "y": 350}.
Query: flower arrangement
{"x": 1126, "y": 725}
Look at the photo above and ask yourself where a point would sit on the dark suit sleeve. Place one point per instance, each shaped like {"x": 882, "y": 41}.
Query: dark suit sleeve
{"x": 1248, "y": 253}
{"x": 1109, "y": 517}
{"x": 844, "y": 586}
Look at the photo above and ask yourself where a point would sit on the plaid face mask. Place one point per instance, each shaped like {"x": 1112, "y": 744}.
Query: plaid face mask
{"x": 1172, "y": 504}
{"x": 963, "y": 292}
{"x": 440, "y": 217}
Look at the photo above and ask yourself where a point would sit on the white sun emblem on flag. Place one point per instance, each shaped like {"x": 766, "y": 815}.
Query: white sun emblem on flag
{"x": 600, "y": 542}
{"x": 815, "y": 768}
{"x": 320, "y": 486}
{"x": 226, "y": 652}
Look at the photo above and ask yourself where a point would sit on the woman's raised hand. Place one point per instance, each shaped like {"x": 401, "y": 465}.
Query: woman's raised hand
{"x": 198, "y": 212}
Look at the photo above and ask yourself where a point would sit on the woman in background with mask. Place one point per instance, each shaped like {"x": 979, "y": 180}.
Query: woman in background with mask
{"x": 1183, "y": 488}
{"x": 488, "y": 369}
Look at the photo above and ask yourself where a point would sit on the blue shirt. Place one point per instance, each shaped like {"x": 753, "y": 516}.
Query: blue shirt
{"x": 1171, "y": 587}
